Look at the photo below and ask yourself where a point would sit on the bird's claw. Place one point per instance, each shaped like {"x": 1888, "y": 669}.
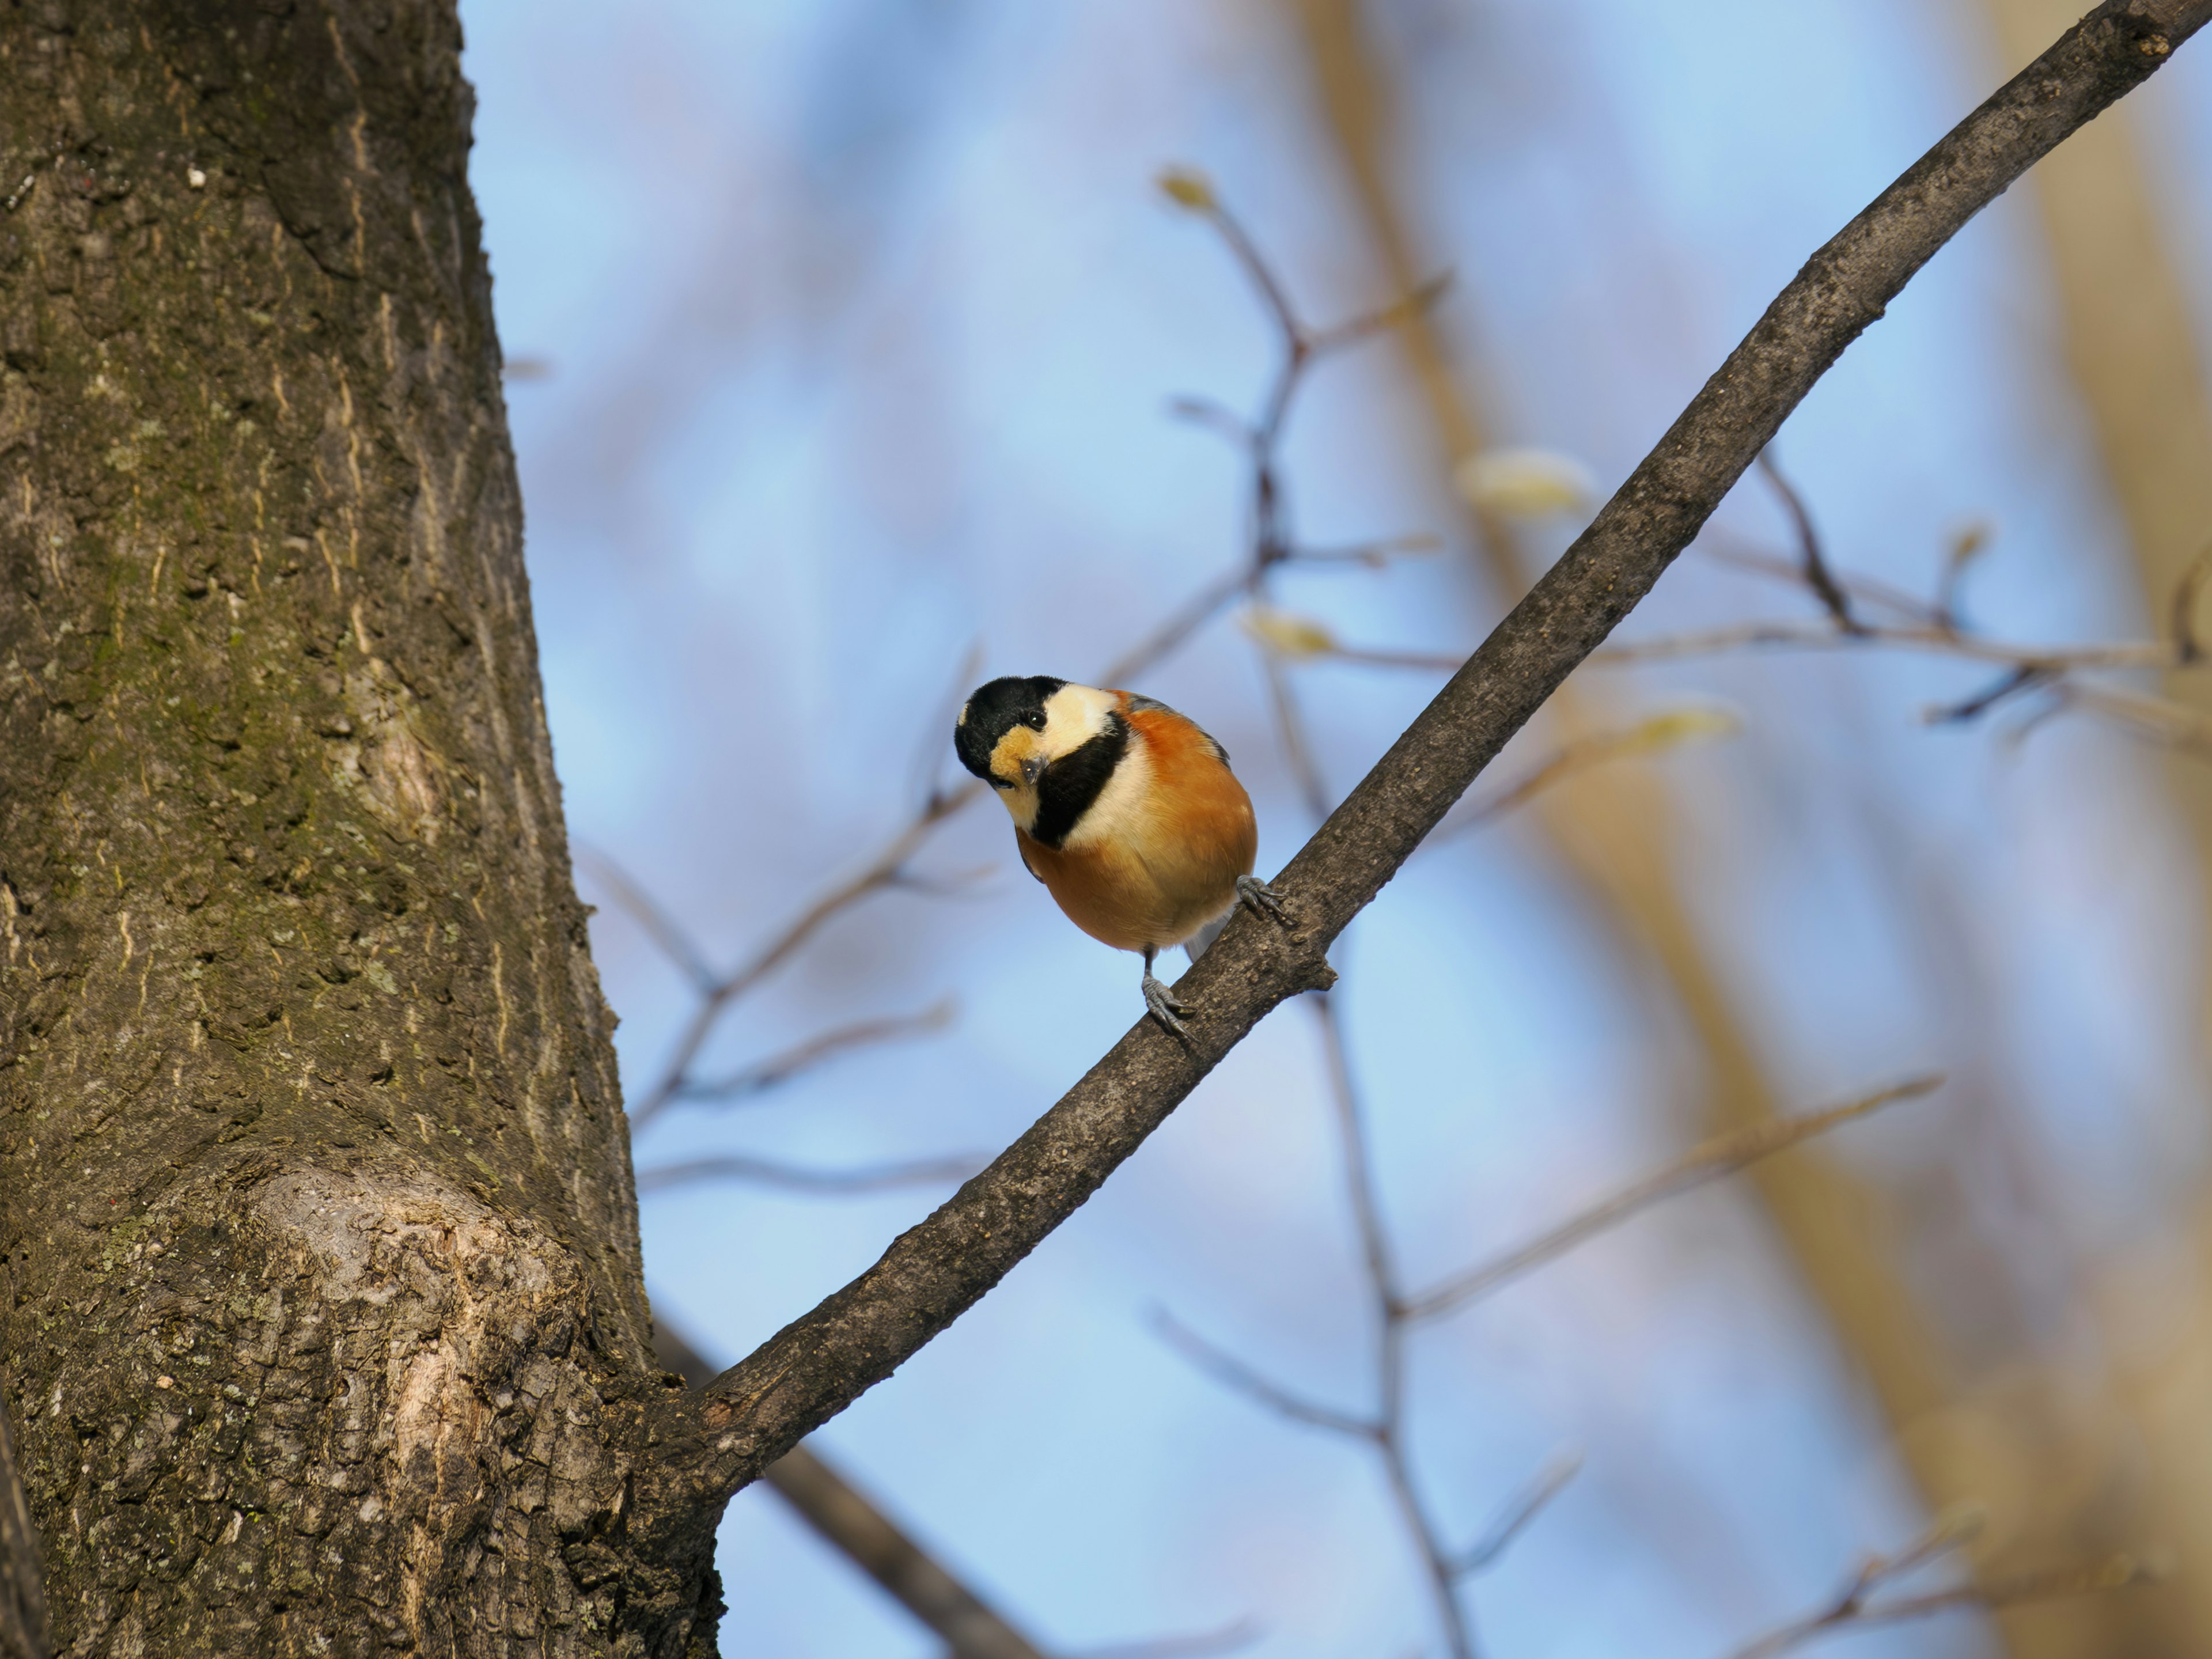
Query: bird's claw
{"x": 1164, "y": 1006}
{"x": 1256, "y": 894}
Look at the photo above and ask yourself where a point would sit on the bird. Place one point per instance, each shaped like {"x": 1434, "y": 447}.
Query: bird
{"x": 1125, "y": 810}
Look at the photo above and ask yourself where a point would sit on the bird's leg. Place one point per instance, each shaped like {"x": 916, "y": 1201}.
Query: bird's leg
{"x": 1157, "y": 999}
{"x": 1255, "y": 894}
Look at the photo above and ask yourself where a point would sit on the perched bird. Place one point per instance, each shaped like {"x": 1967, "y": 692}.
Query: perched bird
{"x": 1126, "y": 811}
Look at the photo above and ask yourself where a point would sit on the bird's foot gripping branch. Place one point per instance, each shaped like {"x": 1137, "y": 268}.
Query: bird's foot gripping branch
{"x": 716, "y": 1440}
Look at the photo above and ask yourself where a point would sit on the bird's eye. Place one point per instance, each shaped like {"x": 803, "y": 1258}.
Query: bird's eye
{"x": 1037, "y": 722}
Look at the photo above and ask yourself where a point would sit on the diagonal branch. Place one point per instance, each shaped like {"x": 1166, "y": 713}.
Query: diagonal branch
{"x": 707, "y": 1446}
{"x": 1818, "y": 576}
{"x": 875, "y": 1543}
{"x": 1226, "y": 1368}
{"x": 1517, "y": 1516}
{"x": 1861, "y": 1602}
{"x": 781, "y": 1066}
{"x": 1724, "y": 1154}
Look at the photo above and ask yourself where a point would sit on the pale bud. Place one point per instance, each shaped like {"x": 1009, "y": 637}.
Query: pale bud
{"x": 1676, "y": 727}
{"x": 1526, "y": 483}
{"x": 1187, "y": 187}
{"x": 1290, "y": 634}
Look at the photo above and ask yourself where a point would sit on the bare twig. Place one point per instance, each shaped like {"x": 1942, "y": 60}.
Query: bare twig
{"x": 844, "y": 1514}
{"x": 1966, "y": 546}
{"x": 1387, "y": 1304}
{"x": 663, "y": 929}
{"x": 1932, "y": 626}
{"x": 887, "y": 869}
{"x": 1800, "y": 636}
{"x": 1385, "y": 1433}
{"x": 1236, "y": 1634}
{"x": 1372, "y": 556}
{"x": 706, "y": 1446}
{"x": 766, "y": 1172}
{"x": 2188, "y": 646}
{"x": 1234, "y": 1374}
{"x": 2012, "y": 684}
{"x": 1514, "y": 1519}
{"x": 1816, "y": 567}
{"x": 1858, "y": 1606}
{"x": 779, "y": 1068}
{"x": 891, "y": 867}
{"x": 1578, "y": 755}
{"x": 1709, "y": 1160}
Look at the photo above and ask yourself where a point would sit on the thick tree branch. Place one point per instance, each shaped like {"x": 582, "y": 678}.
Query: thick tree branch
{"x": 710, "y": 1444}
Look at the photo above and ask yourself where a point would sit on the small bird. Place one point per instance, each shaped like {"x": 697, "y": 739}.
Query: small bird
{"x": 1125, "y": 810}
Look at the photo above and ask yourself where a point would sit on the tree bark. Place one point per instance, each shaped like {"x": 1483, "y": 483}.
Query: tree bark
{"x": 325, "y": 1324}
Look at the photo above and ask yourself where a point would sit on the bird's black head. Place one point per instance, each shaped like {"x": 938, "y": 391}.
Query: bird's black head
{"x": 995, "y": 709}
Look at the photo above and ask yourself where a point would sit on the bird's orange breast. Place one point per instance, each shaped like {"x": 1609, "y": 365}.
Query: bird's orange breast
{"x": 1157, "y": 855}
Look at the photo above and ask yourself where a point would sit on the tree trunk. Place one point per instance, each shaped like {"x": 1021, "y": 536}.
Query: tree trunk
{"x": 326, "y": 1330}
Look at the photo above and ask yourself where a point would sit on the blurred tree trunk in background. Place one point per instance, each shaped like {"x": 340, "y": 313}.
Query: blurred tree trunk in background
{"x": 1610, "y": 827}
{"x": 325, "y": 1329}
{"x": 2132, "y": 344}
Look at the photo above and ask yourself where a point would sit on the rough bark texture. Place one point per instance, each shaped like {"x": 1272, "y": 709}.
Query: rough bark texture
{"x": 323, "y": 1323}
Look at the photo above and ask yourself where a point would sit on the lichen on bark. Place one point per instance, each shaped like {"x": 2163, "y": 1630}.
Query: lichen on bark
{"x": 322, "y": 1325}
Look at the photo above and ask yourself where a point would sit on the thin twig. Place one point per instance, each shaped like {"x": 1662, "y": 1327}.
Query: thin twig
{"x": 1966, "y": 546}
{"x": 779, "y": 1068}
{"x": 1857, "y": 1607}
{"x": 1233, "y": 1373}
{"x": 1932, "y": 626}
{"x": 1514, "y": 1519}
{"x": 2188, "y": 646}
{"x": 1387, "y": 1306}
{"x": 887, "y": 869}
{"x": 2014, "y": 683}
{"x": 854, "y": 1524}
{"x": 1374, "y": 555}
{"x": 661, "y": 928}
{"x": 1816, "y": 567}
{"x": 1579, "y": 755}
{"x": 1385, "y": 1433}
{"x": 1236, "y": 1634}
{"x": 1709, "y": 1160}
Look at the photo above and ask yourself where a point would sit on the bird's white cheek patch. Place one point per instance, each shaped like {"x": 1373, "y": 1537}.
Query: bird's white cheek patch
{"x": 1073, "y": 716}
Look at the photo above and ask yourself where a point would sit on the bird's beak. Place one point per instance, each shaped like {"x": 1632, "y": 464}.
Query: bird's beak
{"x": 1032, "y": 770}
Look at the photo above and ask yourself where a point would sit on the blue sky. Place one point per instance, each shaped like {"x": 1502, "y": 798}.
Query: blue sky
{"x": 861, "y": 322}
